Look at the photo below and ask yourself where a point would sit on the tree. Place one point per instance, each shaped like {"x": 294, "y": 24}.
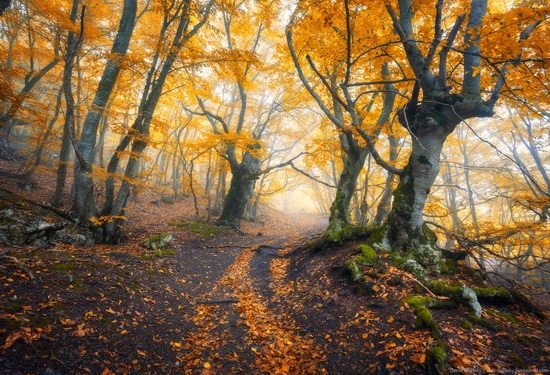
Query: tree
{"x": 176, "y": 22}
{"x": 241, "y": 124}
{"x": 440, "y": 102}
{"x": 84, "y": 202}
{"x": 341, "y": 93}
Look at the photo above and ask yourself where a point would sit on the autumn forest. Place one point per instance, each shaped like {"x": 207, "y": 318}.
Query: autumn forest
{"x": 274, "y": 186}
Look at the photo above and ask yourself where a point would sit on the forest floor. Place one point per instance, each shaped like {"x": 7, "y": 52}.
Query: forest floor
{"x": 220, "y": 302}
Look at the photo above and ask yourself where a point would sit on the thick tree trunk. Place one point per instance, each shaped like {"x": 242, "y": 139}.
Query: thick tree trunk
{"x": 405, "y": 227}
{"x": 339, "y": 211}
{"x": 240, "y": 191}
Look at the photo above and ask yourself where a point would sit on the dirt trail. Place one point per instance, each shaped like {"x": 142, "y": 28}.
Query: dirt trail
{"x": 112, "y": 310}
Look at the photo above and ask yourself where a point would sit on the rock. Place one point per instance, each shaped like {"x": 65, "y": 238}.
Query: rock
{"x": 23, "y": 222}
{"x": 470, "y": 298}
{"x": 158, "y": 241}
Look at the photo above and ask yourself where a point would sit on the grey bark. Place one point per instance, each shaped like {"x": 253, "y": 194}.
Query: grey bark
{"x": 84, "y": 202}
{"x": 65, "y": 153}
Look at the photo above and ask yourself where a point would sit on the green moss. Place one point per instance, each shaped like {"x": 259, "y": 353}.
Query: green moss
{"x": 64, "y": 267}
{"x": 459, "y": 293}
{"x": 377, "y": 236}
{"x": 485, "y": 323}
{"x": 414, "y": 268}
{"x": 466, "y": 325}
{"x": 494, "y": 295}
{"x": 13, "y": 307}
{"x": 424, "y": 317}
{"x": 504, "y": 316}
{"x": 448, "y": 267}
{"x": 354, "y": 269}
{"x": 436, "y": 359}
{"x": 356, "y": 265}
{"x": 368, "y": 254}
{"x": 202, "y": 229}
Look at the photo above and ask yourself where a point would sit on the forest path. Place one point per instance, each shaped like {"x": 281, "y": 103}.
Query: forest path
{"x": 123, "y": 310}
{"x": 220, "y": 302}
{"x": 235, "y": 330}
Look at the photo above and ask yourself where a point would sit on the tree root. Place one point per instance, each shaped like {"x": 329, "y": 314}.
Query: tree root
{"x": 332, "y": 238}
{"x": 436, "y": 357}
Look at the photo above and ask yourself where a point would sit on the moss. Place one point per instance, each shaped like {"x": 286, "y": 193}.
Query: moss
{"x": 413, "y": 267}
{"x": 354, "y": 269}
{"x": 466, "y": 325}
{"x": 504, "y": 316}
{"x": 202, "y": 229}
{"x": 367, "y": 258}
{"x": 376, "y": 238}
{"x": 424, "y": 317}
{"x": 13, "y": 307}
{"x": 459, "y": 293}
{"x": 340, "y": 235}
{"x": 436, "y": 359}
{"x": 494, "y": 295}
{"x": 64, "y": 267}
{"x": 368, "y": 254}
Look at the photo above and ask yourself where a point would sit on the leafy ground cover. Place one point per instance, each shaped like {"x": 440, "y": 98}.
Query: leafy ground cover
{"x": 220, "y": 302}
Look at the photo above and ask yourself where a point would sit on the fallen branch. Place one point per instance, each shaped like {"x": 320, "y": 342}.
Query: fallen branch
{"x": 423, "y": 286}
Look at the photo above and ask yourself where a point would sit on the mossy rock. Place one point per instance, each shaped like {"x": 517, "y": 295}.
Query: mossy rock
{"x": 158, "y": 241}
{"x": 414, "y": 268}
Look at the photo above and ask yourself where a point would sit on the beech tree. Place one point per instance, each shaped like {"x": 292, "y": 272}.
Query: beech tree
{"x": 444, "y": 84}
{"x": 337, "y": 87}
{"x": 176, "y": 30}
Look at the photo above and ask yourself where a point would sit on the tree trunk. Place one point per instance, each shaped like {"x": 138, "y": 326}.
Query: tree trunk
{"x": 72, "y": 47}
{"x": 406, "y": 230}
{"x": 384, "y": 206}
{"x": 339, "y": 211}
{"x": 33, "y": 164}
{"x": 84, "y": 203}
{"x": 240, "y": 191}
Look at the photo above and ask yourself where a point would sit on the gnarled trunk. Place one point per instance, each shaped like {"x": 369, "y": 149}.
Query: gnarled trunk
{"x": 240, "y": 191}
{"x": 405, "y": 227}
